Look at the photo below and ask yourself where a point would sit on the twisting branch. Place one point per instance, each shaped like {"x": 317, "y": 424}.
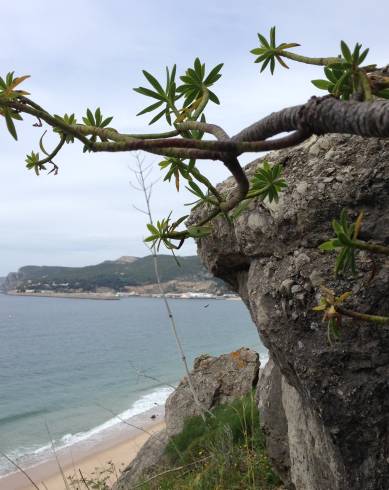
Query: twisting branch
{"x": 349, "y": 109}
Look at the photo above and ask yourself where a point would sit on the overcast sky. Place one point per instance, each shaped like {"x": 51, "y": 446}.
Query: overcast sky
{"x": 90, "y": 53}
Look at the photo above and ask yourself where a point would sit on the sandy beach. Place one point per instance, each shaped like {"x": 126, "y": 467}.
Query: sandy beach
{"x": 118, "y": 449}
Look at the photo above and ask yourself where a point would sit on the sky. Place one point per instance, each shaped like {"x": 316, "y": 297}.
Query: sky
{"x": 90, "y": 53}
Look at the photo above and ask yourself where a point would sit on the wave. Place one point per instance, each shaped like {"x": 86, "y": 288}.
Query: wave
{"x": 30, "y": 456}
{"x": 144, "y": 404}
{"x": 22, "y": 415}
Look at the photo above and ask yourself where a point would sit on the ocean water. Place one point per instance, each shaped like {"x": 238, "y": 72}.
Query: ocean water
{"x": 67, "y": 366}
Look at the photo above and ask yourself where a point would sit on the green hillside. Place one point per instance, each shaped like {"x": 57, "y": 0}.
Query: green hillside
{"x": 111, "y": 274}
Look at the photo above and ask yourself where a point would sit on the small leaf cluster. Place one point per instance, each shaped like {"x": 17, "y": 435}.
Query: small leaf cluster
{"x": 346, "y": 78}
{"x": 267, "y": 182}
{"x": 8, "y": 85}
{"x": 163, "y": 232}
{"x": 328, "y": 303}
{"x": 345, "y": 234}
{"x": 69, "y": 120}
{"x": 97, "y": 121}
{"x": 195, "y": 82}
{"x": 202, "y": 197}
{"x": 268, "y": 52}
{"x": 8, "y": 92}
{"x": 195, "y": 85}
{"x": 32, "y": 162}
{"x": 176, "y": 167}
{"x": 165, "y": 97}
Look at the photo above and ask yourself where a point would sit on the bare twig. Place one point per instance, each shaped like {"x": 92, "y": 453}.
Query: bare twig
{"x": 83, "y": 479}
{"x": 147, "y": 188}
{"x": 56, "y": 457}
{"x": 20, "y": 469}
{"x": 172, "y": 470}
{"x": 142, "y": 374}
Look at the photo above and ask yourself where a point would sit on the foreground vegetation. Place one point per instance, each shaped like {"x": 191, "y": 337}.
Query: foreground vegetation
{"x": 225, "y": 452}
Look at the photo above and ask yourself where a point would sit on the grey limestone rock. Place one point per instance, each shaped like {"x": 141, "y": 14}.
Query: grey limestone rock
{"x": 217, "y": 380}
{"x": 335, "y": 397}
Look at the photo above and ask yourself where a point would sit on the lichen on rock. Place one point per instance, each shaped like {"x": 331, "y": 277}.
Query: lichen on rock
{"x": 217, "y": 380}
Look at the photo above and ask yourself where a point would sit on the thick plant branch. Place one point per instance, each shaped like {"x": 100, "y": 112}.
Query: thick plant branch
{"x": 217, "y": 131}
{"x": 320, "y": 115}
{"x": 232, "y": 163}
{"x": 371, "y": 247}
{"x": 308, "y": 60}
{"x": 362, "y": 316}
{"x": 41, "y": 114}
{"x": 323, "y": 115}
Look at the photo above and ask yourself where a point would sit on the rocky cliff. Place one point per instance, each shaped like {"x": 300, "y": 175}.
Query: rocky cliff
{"x": 327, "y": 403}
{"x": 217, "y": 380}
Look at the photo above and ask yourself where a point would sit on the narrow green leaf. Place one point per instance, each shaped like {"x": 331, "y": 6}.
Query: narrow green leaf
{"x": 90, "y": 117}
{"x": 346, "y": 52}
{"x": 148, "y": 93}
{"x": 157, "y": 117}
{"x": 213, "y": 97}
{"x": 150, "y": 108}
{"x": 263, "y": 41}
{"x": 258, "y": 51}
{"x": 362, "y": 56}
{"x": 327, "y": 246}
{"x": 98, "y": 117}
{"x": 265, "y": 63}
{"x": 10, "y": 124}
{"x": 197, "y": 67}
{"x": 154, "y": 82}
{"x": 106, "y": 122}
{"x": 322, "y": 84}
{"x": 152, "y": 228}
{"x": 273, "y": 37}
{"x": 211, "y": 78}
{"x": 272, "y": 65}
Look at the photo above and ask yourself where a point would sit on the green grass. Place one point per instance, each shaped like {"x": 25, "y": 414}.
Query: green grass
{"x": 225, "y": 452}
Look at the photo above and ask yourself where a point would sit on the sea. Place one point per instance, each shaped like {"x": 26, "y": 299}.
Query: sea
{"x": 71, "y": 369}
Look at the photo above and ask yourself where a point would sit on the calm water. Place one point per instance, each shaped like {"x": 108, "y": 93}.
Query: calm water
{"x": 61, "y": 360}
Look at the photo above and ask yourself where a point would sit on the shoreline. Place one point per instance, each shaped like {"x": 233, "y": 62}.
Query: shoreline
{"x": 95, "y": 296}
{"x": 119, "y": 446}
{"x": 118, "y": 296}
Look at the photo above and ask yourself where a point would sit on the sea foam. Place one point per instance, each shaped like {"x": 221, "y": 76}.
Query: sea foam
{"x": 31, "y": 456}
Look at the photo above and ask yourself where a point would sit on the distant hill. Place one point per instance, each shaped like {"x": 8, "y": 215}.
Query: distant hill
{"x": 113, "y": 274}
